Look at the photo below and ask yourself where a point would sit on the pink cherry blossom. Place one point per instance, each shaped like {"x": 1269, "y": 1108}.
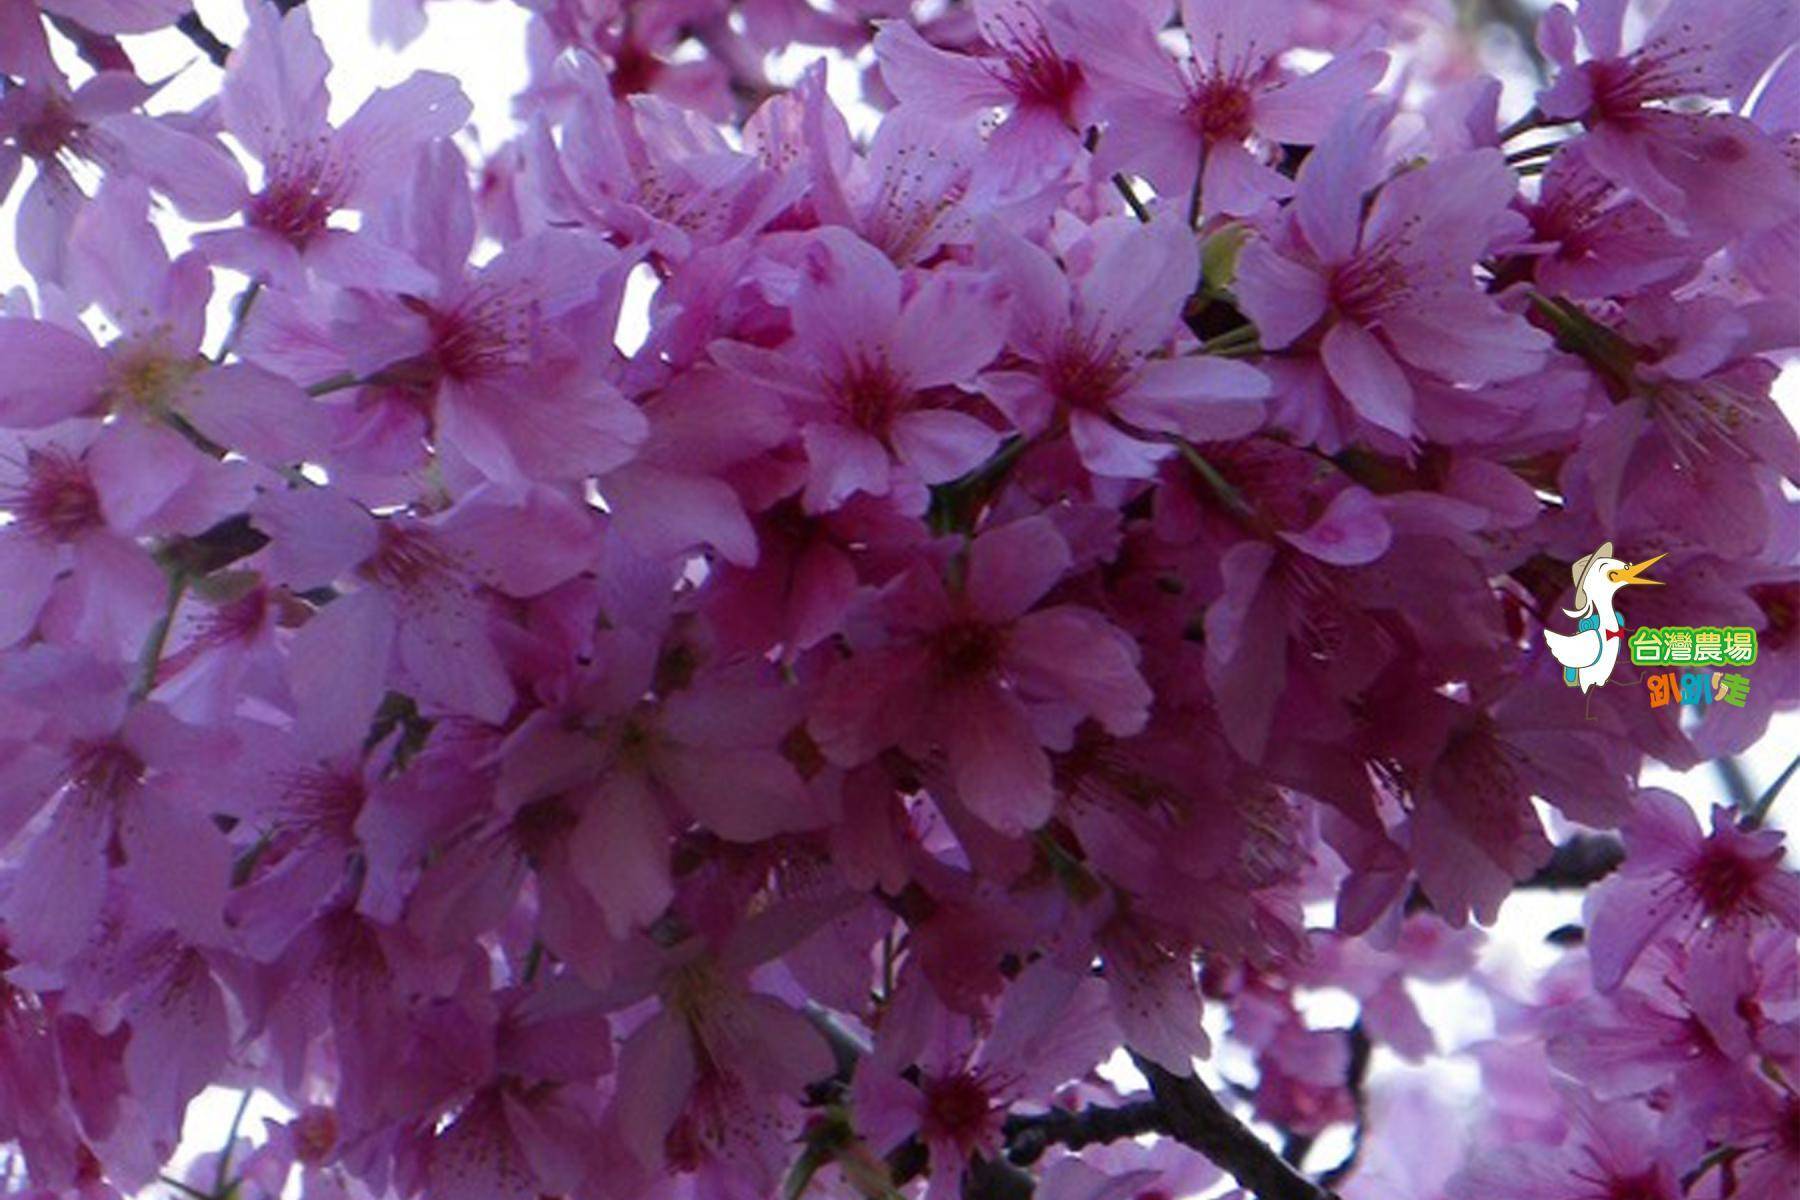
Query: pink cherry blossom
{"x": 1680, "y": 882}
{"x": 1378, "y": 290}
{"x": 984, "y": 675}
{"x": 1209, "y": 124}
{"x": 883, "y": 599}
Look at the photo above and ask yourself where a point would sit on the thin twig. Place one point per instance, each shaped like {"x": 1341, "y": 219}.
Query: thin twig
{"x": 237, "y": 1121}
{"x": 1197, "y": 1119}
{"x": 1525, "y": 124}
{"x": 1131, "y": 197}
{"x": 240, "y": 312}
{"x": 184, "y": 1189}
{"x": 1759, "y": 811}
{"x": 195, "y": 30}
{"x": 1527, "y": 153}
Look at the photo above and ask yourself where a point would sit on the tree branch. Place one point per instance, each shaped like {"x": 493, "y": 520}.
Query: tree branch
{"x": 1582, "y": 861}
{"x": 1197, "y": 1119}
{"x": 1027, "y": 1137}
{"x": 195, "y": 30}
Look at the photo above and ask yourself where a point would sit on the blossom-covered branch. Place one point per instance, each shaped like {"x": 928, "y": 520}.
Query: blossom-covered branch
{"x": 723, "y": 643}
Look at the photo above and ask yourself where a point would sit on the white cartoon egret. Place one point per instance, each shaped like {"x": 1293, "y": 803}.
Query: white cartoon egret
{"x": 1588, "y": 655}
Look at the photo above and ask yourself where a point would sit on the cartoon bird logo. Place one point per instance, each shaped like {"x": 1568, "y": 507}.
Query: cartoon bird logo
{"x": 1588, "y": 654}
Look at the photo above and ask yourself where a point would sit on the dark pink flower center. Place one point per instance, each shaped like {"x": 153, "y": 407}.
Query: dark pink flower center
{"x": 315, "y": 1135}
{"x": 1787, "y": 1130}
{"x": 870, "y": 396}
{"x": 540, "y": 826}
{"x": 1221, "y": 109}
{"x": 104, "y": 768}
{"x": 1369, "y": 284}
{"x": 236, "y": 621}
{"x": 1661, "y": 70}
{"x": 957, "y": 1109}
{"x": 1086, "y": 378}
{"x": 52, "y": 130}
{"x": 1635, "y": 1187}
{"x": 486, "y": 334}
{"x": 405, "y": 558}
{"x": 1724, "y": 881}
{"x": 303, "y": 188}
{"x": 1032, "y": 70}
{"x": 324, "y": 802}
{"x": 966, "y": 650}
{"x": 634, "y": 70}
{"x": 57, "y": 501}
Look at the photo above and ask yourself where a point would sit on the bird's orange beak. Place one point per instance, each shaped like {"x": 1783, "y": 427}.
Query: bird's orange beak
{"x": 1632, "y": 573}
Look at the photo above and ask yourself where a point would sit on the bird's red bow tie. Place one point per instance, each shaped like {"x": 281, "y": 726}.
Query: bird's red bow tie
{"x": 1616, "y": 633}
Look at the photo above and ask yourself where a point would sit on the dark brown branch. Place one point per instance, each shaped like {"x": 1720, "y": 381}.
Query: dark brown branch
{"x": 1027, "y": 1137}
{"x": 997, "y": 1180}
{"x": 1582, "y": 861}
{"x": 195, "y": 30}
{"x": 1197, "y": 1119}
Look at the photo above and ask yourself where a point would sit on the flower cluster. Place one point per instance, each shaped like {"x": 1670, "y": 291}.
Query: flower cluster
{"x": 1064, "y": 573}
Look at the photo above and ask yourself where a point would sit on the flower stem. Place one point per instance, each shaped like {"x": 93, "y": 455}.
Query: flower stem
{"x": 1244, "y": 337}
{"x": 158, "y": 637}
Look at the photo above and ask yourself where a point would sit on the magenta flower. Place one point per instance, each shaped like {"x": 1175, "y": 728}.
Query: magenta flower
{"x": 1715, "y": 173}
{"x": 1210, "y": 123}
{"x": 1390, "y": 292}
{"x": 1610, "y": 1154}
{"x": 274, "y": 101}
{"x": 1031, "y": 69}
{"x": 733, "y": 642}
{"x": 650, "y": 172}
{"x": 1678, "y": 882}
{"x": 871, "y": 375}
{"x": 152, "y": 375}
{"x": 1050, "y": 1032}
{"x": 95, "y": 125}
{"x": 705, "y": 1079}
{"x": 64, "y": 557}
{"x": 1599, "y": 240}
{"x": 981, "y": 675}
{"x": 467, "y": 346}
{"x": 419, "y": 602}
{"x": 1092, "y": 350}
{"x": 110, "y": 772}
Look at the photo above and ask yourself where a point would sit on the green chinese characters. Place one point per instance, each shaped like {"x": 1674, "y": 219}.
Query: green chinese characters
{"x": 1686, "y": 645}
